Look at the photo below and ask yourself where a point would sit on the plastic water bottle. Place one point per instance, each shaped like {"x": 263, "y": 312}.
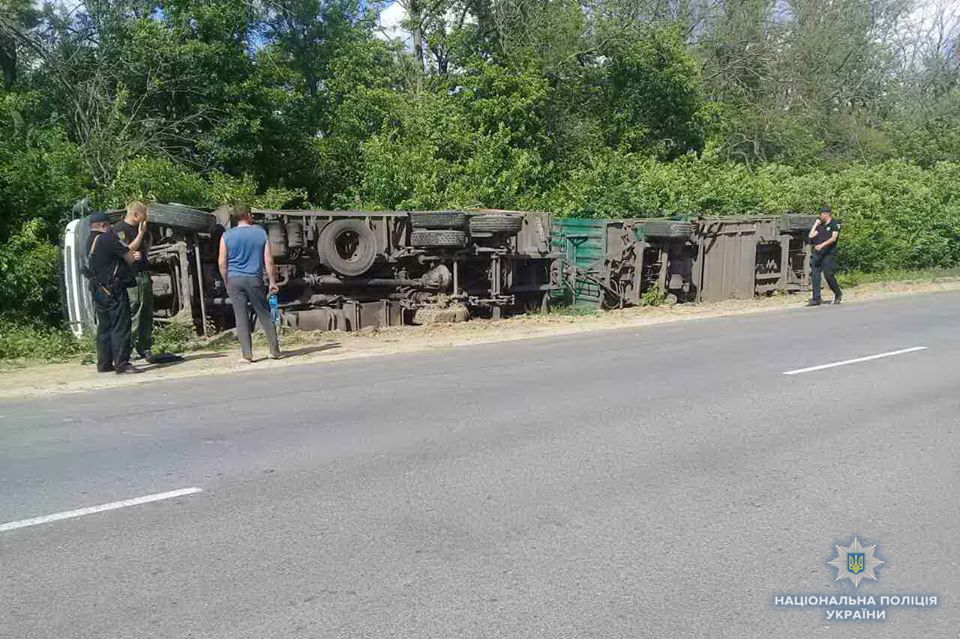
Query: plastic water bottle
{"x": 274, "y": 309}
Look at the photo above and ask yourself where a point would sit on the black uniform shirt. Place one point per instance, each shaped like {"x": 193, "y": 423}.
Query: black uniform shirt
{"x": 106, "y": 261}
{"x": 128, "y": 233}
{"x": 824, "y": 232}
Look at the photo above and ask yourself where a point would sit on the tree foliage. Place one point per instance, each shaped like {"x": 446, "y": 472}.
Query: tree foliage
{"x": 594, "y": 107}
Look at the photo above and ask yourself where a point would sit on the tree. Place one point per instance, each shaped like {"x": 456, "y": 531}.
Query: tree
{"x": 652, "y": 89}
{"x": 16, "y": 18}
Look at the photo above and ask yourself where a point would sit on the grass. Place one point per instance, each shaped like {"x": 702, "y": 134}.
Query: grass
{"x": 180, "y": 338}
{"x": 174, "y": 337}
{"x": 22, "y": 342}
{"x": 573, "y": 311}
{"x": 655, "y": 296}
{"x": 856, "y": 278}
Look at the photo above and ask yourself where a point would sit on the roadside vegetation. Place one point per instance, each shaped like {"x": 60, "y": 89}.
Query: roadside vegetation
{"x": 596, "y": 109}
{"x": 20, "y": 341}
{"x": 850, "y": 279}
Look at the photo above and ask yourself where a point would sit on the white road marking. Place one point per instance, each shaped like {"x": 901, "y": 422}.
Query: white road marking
{"x": 912, "y": 349}
{"x": 70, "y": 514}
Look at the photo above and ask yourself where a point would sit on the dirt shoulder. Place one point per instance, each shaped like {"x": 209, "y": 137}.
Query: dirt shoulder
{"x": 37, "y": 380}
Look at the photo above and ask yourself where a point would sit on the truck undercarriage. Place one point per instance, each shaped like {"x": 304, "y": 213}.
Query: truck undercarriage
{"x": 350, "y": 270}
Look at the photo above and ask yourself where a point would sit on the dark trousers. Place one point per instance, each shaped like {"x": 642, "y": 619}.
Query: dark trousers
{"x": 141, "y": 314}
{"x": 820, "y": 263}
{"x": 250, "y": 290}
{"x": 113, "y": 328}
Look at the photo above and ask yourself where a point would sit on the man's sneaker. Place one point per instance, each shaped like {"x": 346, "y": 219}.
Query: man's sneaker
{"x": 837, "y": 299}
{"x": 128, "y": 369}
{"x": 814, "y": 303}
{"x": 105, "y": 369}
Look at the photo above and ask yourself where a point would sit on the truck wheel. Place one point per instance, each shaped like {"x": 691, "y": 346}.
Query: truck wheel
{"x": 181, "y": 217}
{"x": 668, "y": 229}
{"x": 456, "y": 220}
{"x": 496, "y": 223}
{"x": 793, "y": 223}
{"x": 439, "y": 239}
{"x": 347, "y": 247}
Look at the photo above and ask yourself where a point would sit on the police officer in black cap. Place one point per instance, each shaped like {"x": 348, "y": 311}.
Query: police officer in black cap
{"x": 824, "y": 236}
{"x": 108, "y": 266}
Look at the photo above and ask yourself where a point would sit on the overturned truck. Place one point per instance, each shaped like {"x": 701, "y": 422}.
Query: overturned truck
{"x": 613, "y": 263}
{"x": 341, "y": 270}
{"x": 349, "y": 270}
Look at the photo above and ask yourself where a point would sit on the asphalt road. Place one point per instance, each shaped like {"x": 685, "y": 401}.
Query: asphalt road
{"x": 668, "y": 481}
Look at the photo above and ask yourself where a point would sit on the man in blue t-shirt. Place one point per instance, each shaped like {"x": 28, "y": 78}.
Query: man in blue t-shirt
{"x": 244, "y": 256}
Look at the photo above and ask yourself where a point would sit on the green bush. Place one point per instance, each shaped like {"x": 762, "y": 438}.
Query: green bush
{"x": 894, "y": 215}
{"x": 156, "y": 180}
{"x": 655, "y": 296}
{"x": 173, "y": 337}
{"x": 34, "y": 342}
{"x": 161, "y": 180}
{"x": 28, "y": 275}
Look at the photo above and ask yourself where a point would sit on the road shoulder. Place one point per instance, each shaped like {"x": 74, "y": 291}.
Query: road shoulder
{"x": 39, "y": 380}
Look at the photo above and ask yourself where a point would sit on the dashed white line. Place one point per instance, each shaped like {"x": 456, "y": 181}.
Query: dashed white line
{"x": 857, "y": 360}
{"x": 70, "y": 514}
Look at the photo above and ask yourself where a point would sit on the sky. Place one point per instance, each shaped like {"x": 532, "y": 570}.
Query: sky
{"x": 924, "y": 11}
{"x": 393, "y": 14}
{"x": 391, "y": 18}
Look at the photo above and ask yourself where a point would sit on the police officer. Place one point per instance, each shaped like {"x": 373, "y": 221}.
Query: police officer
{"x": 824, "y": 236}
{"x": 108, "y": 265}
{"x": 141, "y": 290}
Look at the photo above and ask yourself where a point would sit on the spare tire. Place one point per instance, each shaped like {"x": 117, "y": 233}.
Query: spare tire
{"x": 181, "y": 217}
{"x": 438, "y": 239}
{"x": 792, "y": 222}
{"x": 668, "y": 229}
{"x": 438, "y": 219}
{"x": 496, "y": 223}
{"x": 347, "y": 247}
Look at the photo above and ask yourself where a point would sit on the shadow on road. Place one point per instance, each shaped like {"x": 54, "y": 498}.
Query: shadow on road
{"x": 309, "y": 350}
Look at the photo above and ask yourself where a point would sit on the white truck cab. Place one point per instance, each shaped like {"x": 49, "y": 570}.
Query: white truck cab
{"x": 78, "y": 304}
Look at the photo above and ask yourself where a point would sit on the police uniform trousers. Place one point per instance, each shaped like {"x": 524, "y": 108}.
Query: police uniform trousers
{"x": 113, "y": 327}
{"x": 823, "y": 264}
